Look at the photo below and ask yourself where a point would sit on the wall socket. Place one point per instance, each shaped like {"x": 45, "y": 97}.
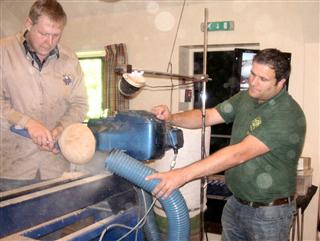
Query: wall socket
{"x": 185, "y": 95}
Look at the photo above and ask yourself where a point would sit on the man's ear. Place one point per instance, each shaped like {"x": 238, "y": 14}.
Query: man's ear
{"x": 28, "y": 24}
{"x": 282, "y": 83}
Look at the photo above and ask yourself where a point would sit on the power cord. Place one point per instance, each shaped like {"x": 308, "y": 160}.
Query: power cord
{"x": 132, "y": 229}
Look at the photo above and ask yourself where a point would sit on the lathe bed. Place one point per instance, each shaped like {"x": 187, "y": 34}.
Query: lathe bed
{"x": 77, "y": 207}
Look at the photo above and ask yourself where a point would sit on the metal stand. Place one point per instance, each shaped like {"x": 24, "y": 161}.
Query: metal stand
{"x": 195, "y": 78}
{"x": 302, "y": 204}
{"x": 203, "y": 122}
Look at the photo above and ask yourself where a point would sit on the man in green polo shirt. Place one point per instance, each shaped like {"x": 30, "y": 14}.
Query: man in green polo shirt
{"x": 260, "y": 162}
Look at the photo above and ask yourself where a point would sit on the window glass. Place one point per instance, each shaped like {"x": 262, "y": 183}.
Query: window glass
{"x": 93, "y": 76}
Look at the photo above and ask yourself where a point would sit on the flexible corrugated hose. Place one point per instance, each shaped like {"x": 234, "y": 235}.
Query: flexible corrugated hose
{"x": 174, "y": 206}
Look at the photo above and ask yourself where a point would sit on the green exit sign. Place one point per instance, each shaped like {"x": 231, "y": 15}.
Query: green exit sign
{"x": 219, "y": 26}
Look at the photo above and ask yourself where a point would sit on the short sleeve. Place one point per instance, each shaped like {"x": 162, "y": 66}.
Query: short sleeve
{"x": 284, "y": 129}
{"x": 227, "y": 109}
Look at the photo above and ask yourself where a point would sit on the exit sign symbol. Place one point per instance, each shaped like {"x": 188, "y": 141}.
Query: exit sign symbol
{"x": 219, "y": 26}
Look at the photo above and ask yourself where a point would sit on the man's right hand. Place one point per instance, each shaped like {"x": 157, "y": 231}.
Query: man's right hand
{"x": 40, "y": 134}
{"x": 168, "y": 182}
{"x": 162, "y": 112}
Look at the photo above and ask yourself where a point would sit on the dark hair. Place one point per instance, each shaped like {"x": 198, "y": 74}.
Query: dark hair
{"x": 49, "y": 8}
{"x": 275, "y": 60}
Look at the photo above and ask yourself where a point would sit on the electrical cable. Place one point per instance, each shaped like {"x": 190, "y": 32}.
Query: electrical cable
{"x": 136, "y": 227}
{"x": 143, "y": 220}
{"x": 175, "y": 38}
{"x": 171, "y": 89}
{"x": 169, "y": 67}
{"x": 173, "y": 162}
{"x": 147, "y": 211}
{"x": 168, "y": 86}
{"x": 160, "y": 89}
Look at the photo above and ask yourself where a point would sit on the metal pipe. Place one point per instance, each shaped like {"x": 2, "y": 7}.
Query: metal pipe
{"x": 193, "y": 78}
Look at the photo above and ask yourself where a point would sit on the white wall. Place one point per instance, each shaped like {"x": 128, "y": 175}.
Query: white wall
{"x": 148, "y": 28}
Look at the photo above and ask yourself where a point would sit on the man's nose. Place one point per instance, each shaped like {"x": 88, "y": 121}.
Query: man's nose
{"x": 50, "y": 39}
{"x": 254, "y": 79}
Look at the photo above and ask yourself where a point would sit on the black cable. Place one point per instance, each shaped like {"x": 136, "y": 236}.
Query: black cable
{"x": 175, "y": 38}
{"x": 169, "y": 67}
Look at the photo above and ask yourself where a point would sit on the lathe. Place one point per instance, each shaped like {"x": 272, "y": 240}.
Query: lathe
{"x": 79, "y": 206}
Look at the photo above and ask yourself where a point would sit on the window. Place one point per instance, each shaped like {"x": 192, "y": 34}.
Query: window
{"x": 92, "y": 68}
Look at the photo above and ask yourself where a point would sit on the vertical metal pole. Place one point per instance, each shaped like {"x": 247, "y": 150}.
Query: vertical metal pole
{"x": 298, "y": 227}
{"x": 203, "y": 126}
{"x": 293, "y": 230}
